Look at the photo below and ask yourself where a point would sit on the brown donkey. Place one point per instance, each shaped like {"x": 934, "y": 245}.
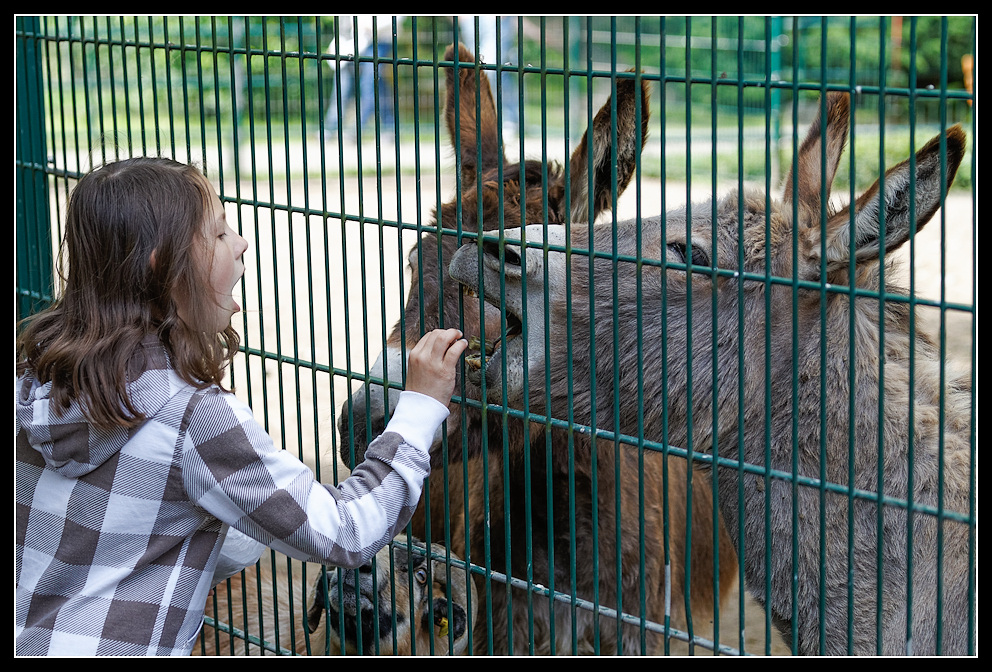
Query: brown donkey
{"x": 755, "y": 330}
{"x": 574, "y": 519}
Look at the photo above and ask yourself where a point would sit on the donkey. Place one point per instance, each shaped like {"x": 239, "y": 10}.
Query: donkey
{"x": 406, "y": 603}
{"x": 754, "y": 330}
{"x": 487, "y": 183}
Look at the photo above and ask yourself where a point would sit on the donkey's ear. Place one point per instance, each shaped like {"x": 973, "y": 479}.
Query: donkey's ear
{"x": 475, "y": 127}
{"x": 805, "y": 182}
{"x": 631, "y": 115}
{"x": 900, "y": 185}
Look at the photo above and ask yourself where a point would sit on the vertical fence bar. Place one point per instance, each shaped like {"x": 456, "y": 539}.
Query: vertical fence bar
{"x": 851, "y": 408}
{"x": 663, "y": 167}
{"x": 642, "y": 587}
{"x": 594, "y": 444}
{"x": 793, "y": 466}
{"x": 615, "y": 354}
{"x": 714, "y": 343}
{"x": 911, "y": 448}
{"x": 766, "y": 419}
{"x": 943, "y": 333}
{"x": 573, "y": 566}
{"x": 690, "y": 420}
{"x": 824, "y": 189}
{"x": 528, "y": 465}
{"x": 548, "y": 447}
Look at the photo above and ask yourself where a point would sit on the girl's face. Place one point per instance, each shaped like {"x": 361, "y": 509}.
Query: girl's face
{"x": 222, "y": 250}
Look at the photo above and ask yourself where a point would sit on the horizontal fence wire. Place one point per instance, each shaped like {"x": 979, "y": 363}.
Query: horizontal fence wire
{"x": 581, "y": 503}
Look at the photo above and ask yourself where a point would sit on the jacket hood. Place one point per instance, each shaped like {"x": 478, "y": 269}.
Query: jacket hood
{"x": 68, "y": 443}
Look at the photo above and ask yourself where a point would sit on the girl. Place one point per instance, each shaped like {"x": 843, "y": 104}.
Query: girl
{"x": 132, "y": 460}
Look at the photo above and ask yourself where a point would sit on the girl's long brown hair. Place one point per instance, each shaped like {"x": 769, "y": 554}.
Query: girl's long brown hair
{"x": 114, "y": 296}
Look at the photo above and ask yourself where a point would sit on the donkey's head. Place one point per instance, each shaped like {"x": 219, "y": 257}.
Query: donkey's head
{"x": 702, "y": 260}
{"x": 492, "y": 195}
{"x": 404, "y": 598}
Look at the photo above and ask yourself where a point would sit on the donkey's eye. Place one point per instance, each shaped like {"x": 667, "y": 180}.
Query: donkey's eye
{"x": 510, "y": 257}
{"x": 699, "y": 256}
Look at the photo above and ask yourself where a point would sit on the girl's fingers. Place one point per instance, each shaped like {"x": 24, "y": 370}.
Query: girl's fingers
{"x": 432, "y": 363}
{"x": 455, "y": 351}
{"x": 438, "y": 344}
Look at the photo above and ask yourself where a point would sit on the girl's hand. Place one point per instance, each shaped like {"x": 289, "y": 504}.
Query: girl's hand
{"x": 431, "y": 369}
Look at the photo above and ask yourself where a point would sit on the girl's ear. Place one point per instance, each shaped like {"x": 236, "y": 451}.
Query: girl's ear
{"x": 151, "y": 259}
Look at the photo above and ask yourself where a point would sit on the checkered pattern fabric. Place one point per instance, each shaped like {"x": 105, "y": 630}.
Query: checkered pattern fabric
{"x": 118, "y": 533}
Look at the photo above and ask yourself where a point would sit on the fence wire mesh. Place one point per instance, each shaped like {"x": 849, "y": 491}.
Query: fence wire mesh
{"x": 563, "y": 512}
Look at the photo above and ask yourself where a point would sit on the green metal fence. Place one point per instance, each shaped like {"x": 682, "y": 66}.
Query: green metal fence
{"x": 333, "y": 185}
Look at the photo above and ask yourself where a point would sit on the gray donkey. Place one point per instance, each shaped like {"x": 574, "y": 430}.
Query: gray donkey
{"x": 754, "y": 329}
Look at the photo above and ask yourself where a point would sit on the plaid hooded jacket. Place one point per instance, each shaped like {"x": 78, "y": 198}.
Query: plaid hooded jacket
{"x": 118, "y": 533}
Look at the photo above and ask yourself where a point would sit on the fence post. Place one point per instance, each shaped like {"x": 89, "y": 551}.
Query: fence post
{"x": 34, "y": 237}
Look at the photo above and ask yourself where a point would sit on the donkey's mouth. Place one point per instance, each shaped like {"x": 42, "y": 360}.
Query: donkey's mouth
{"x": 479, "y": 353}
{"x": 360, "y": 613}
